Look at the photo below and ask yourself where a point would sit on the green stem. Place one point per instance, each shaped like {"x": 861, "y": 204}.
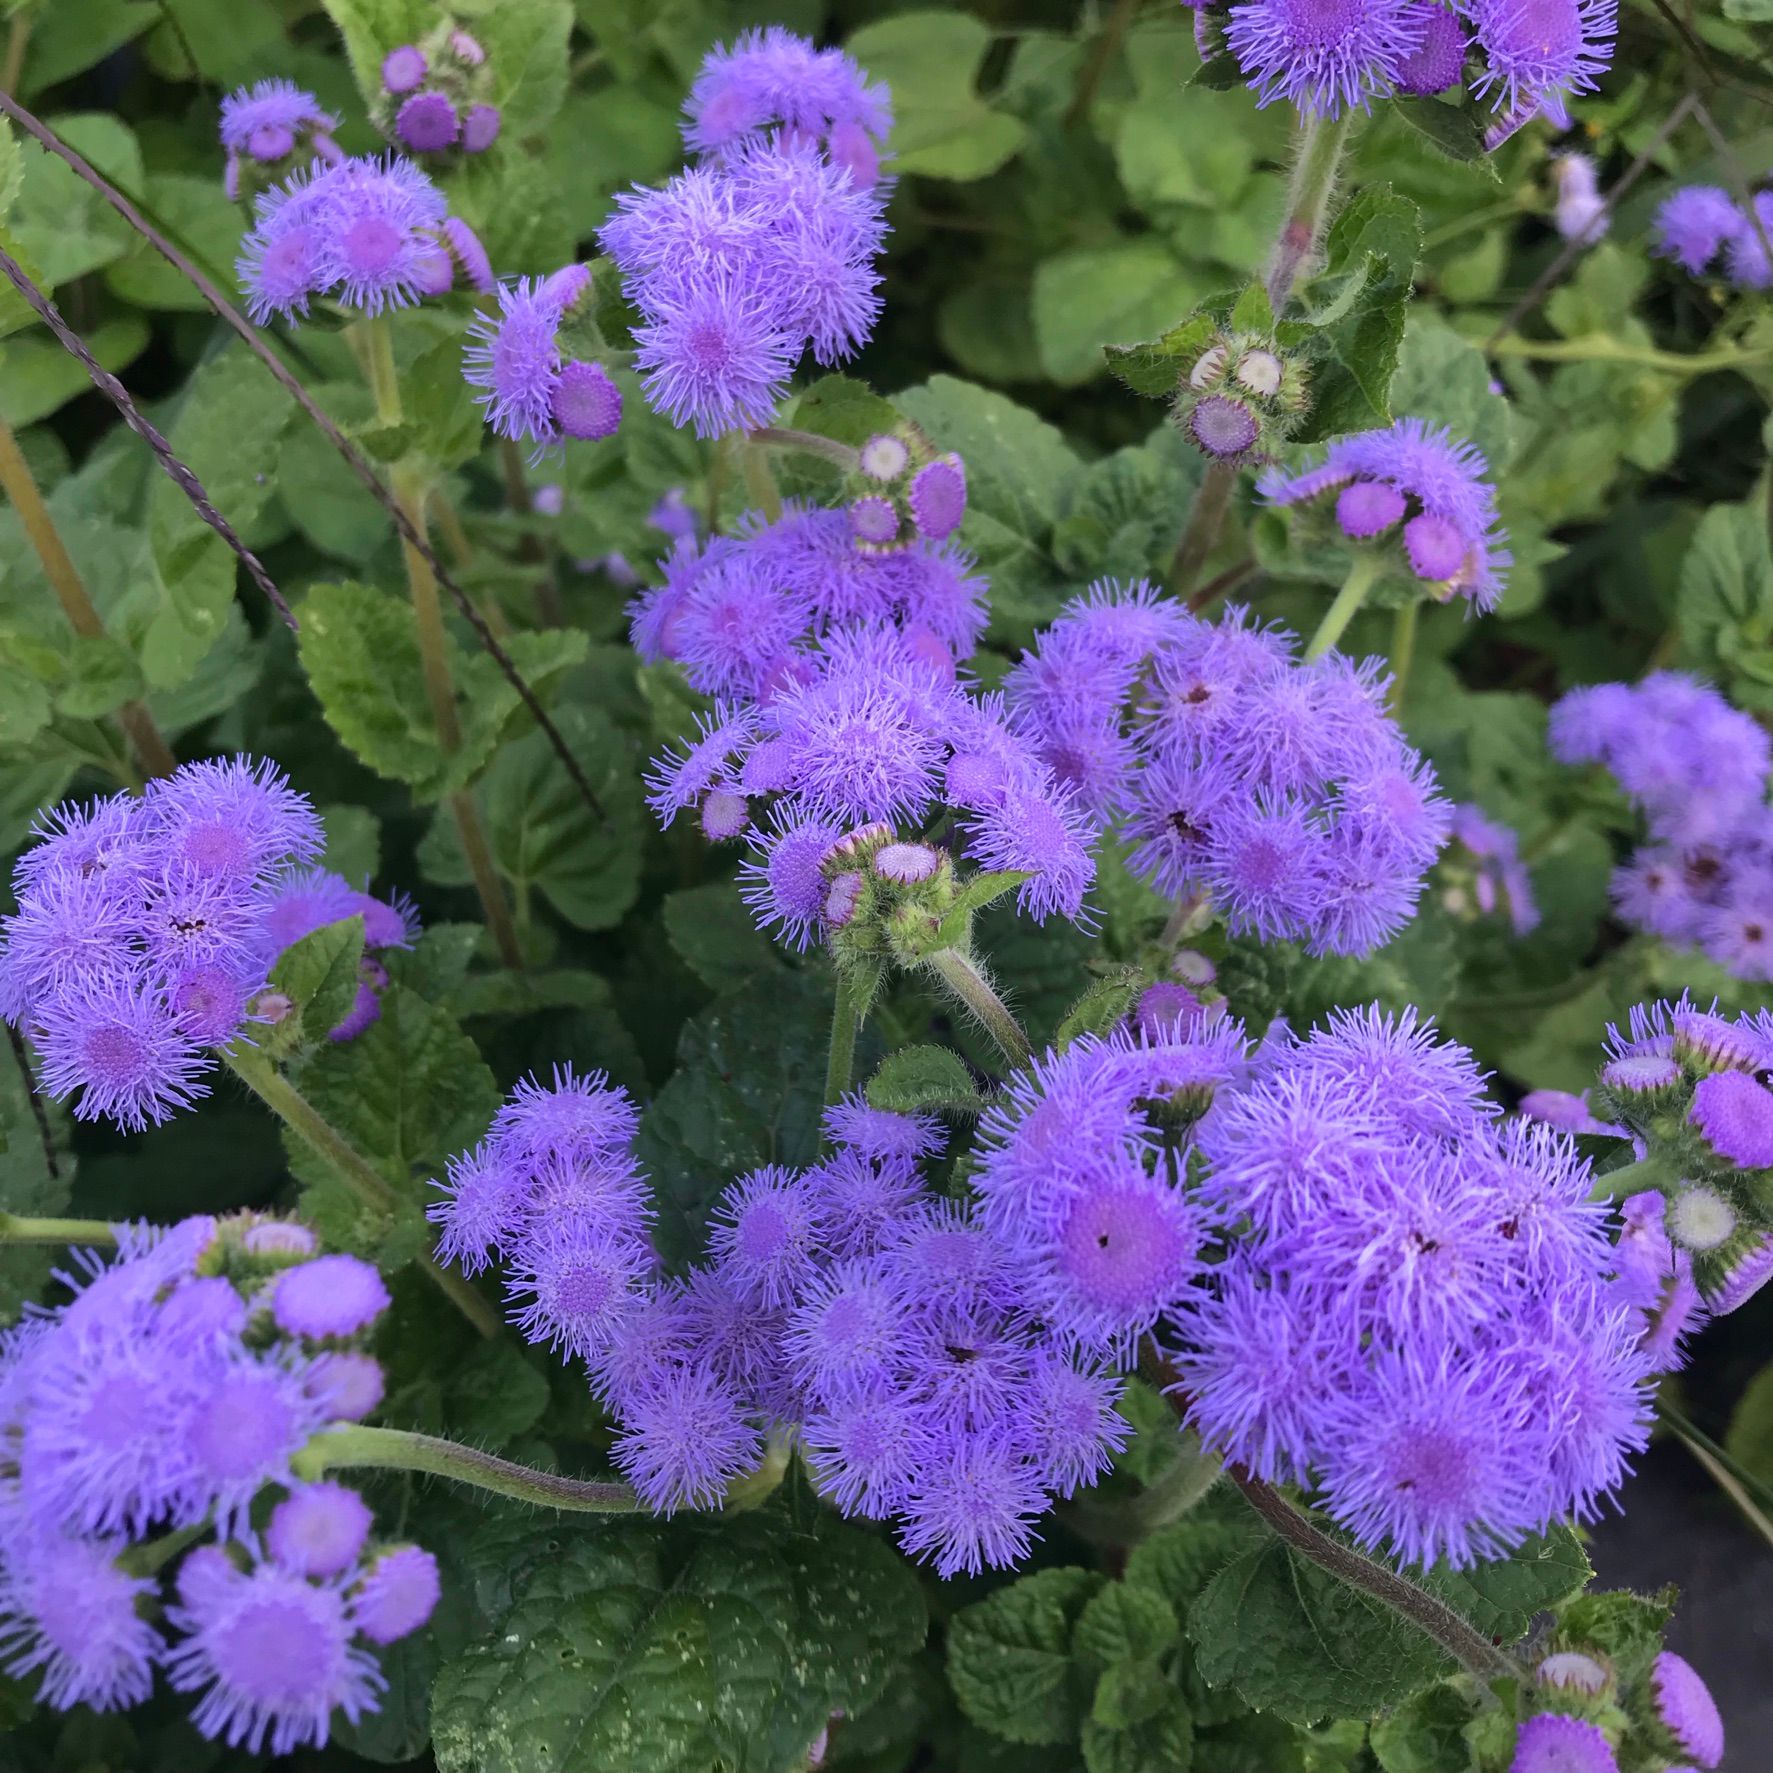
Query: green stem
{"x": 1308, "y": 202}
{"x": 846, "y": 1021}
{"x": 151, "y": 1556}
{"x": 356, "y": 1447}
{"x": 1361, "y": 574}
{"x": 376, "y": 339}
{"x": 1472, "y": 1651}
{"x": 1200, "y": 535}
{"x": 1181, "y": 1487}
{"x": 760, "y": 479}
{"x": 17, "y": 1228}
{"x": 359, "y": 1174}
{"x": 840, "y": 455}
{"x": 1598, "y": 348}
{"x": 958, "y": 972}
{"x": 1403, "y": 650}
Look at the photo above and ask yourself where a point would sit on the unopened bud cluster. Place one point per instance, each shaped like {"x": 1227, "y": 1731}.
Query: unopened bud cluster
{"x": 1241, "y": 397}
{"x": 437, "y": 94}
{"x": 903, "y": 491}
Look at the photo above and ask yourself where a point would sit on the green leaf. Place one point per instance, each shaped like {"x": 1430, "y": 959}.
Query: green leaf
{"x": 1625, "y": 1628}
{"x": 1726, "y": 602}
{"x": 1456, "y": 131}
{"x": 1749, "y": 1440}
{"x": 1442, "y": 377}
{"x": 747, "y": 1091}
{"x": 319, "y": 975}
{"x": 921, "y": 1078}
{"x": 1130, "y": 1693}
{"x": 1500, "y": 1596}
{"x": 1426, "y": 1734}
{"x": 526, "y": 47}
{"x": 1009, "y": 1656}
{"x": 712, "y": 931}
{"x": 676, "y": 1649}
{"x": 1119, "y": 519}
{"x": 29, "y": 1185}
{"x": 1126, "y": 1622}
{"x": 65, "y": 227}
{"x": 1293, "y": 1640}
{"x": 493, "y": 1396}
{"x": 544, "y": 838}
{"x": 1178, "y": 1561}
{"x": 1160, "y": 1741}
{"x": 37, "y": 377}
{"x": 1156, "y": 366}
{"x": 360, "y": 649}
{"x": 942, "y": 128}
{"x": 1086, "y": 299}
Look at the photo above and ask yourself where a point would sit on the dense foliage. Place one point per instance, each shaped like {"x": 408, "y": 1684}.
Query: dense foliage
{"x": 889, "y": 887}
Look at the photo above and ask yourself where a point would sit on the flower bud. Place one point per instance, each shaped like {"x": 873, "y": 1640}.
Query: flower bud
{"x": 842, "y": 898}
{"x": 1240, "y": 397}
{"x": 907, "y": 863}
{"x": 1700, "y": 1219}
{"x": 1572, "y": 1671}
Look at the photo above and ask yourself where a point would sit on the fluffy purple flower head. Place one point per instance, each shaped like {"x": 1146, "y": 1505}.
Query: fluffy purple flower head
{"x": 1553, "y": 1743}
{"x": 241, "y": 1424}
{"x": 571, "y": 1119}
{"x": 586, "y": 403}
{"x": 784, "y": 882}
{"x": 766, "y": 1235}
{"x": 428, "y": 123}
{"x": 576, "y": 1280}
{"x": 882, "y": 1134}
{"x": 1462, "y": 552}
{"x": 1745, "y": 251}
{"x": 514, "y": 359}
{"x": 68, "y": 1615}
{"x": 118, "y": 1049}
{"x": 1536, "y": 50}
{"x": 1324, "y": 56}
{"x": 318, "y": 1530}
{"x": 271, "y": 1655}
{"x": 266, "y": 120}
{"x": 329, "y": 1297}
{"x": 714, "y": 355}
{"x": 398, "y": 1594}
{"x": 684, "y": 1438}
{"x": 1222, "y": 425}
{"x": 1734, "y": 1115}
{"x": 1694, "y": 224}
{"x": 973, "y": 1504}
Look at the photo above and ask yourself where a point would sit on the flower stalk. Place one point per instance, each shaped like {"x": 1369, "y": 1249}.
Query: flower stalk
{"x": 17, "y": 1228}
{"x": 1346, "y": 605}
{"x": 1321, "y": 143}
{"x": 961, "y": 975}
{"x": 846, "y": 1023}
{"x": 840, "y": 455}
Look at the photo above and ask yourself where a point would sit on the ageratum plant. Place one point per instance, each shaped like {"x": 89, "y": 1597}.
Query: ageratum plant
{"x": 749, "y": 1028}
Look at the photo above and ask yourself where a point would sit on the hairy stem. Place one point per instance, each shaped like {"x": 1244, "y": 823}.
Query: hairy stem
{"x": 840, "y": 455}
{"x": 1474, "y": 1652}
{"x": 760, "y": 479}
{"x": 1347, "y": 602}
{"x": 16, "y": 1228}
{"x": 1403, "y": 650}
{"x": 356, "y": 1447}
{"x": 846, "y": 1021}
{"x": 959, "y": 973}
{"x": 1200, "y": 535}
{"x": 1599, "y": 348}
{"x": 1184, "y": 1484}
{"x": 1308, "y": 202}
{"x": 152, "y": 752}
{"x": 358, "y": 1173}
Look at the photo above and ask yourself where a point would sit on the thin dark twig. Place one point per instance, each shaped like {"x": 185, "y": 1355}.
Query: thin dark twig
{"x": 1221, "y": 585}
{"x": 1573, "y": 248}
{"x": 354, "y": 460}
{"x": 115, "y": 392}
{"x": 38, "y": 1113}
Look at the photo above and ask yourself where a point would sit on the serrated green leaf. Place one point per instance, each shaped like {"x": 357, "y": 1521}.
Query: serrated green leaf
{"x": 1500, "y": 1596}
{"x": 1625, "y": 1628}
{"x": 1126, "y": 1622}
{"x": 1087, "y": 299}
{"x": 920, "y": 1078}
{"x": 1293, "y": 1640}
{"x": 714, "y": 935}
{"x": 319, "y": 975}
{"x": 1456, "y": 131}
{"x": 1159, "y": 1741}
{"x": 493, "y": 1396}
{"x": 1009, "y": 1656}
{"x": 1155, "y": 366}
{"x": 1726, "y": 602}
{"x": 1178, "y": 1561}
{"x": 1130, "y": 1693}
{"x": 1426, "y": 1734}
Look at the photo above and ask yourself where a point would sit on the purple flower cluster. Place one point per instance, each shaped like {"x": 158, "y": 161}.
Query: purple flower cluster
{"x": 763, "y": 251}
{"x": 773, "y": 81}
{"x": 1329, "y": 56}
{"x": 146, "y": 929}
{"x": 1698, "y": 222}
{"x": 268, "y": 122}
{"x": 1415, "y": 485}
{"x": 140, "y": 937}
{"x": 174, "y": 1392}
{"x": 1417, "y": 1318}
{"x": 863, "y": 738}
{"x": 1698, "y": 769}
{"x": 553, "y": 1194}
{"x": 529, "y": 388}
{"x": 369, "y": 233}
{"x": 741, "y": 614}
{"x": 1692, "y": 1087}
{"x": 1283, "y": 791}
{"x": 1483, "y": 872}
{"x": 437, "y": 94}
{"x": 1078, "y": 1181}
{"x": 886, "y": 1325}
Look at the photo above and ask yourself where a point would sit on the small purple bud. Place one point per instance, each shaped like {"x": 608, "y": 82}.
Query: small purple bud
{"x": 1222, "y": 426}
{"x": 1193, "y": 967}
{"x": 1734, "y": 1115}
{"x": 349, "y": 1385}
{"x": 586, "y": 403}
{"x": 1745, "y": 1277}
{"x": 435, "y": 272}
{"x": 1553, "y": 1743}
{"x": 1641, "y": 1074}
{"x": 885, "y": 457}
{"x": 272, "y": 1007}
{"x": 852, "y": 843}
{"x": 1685, "y": 1705}
{"x": 939, "y": 497}
{"x": 480, "y": 128}
{"x": 725, "y": 815}
{"x": 1435, "y": 546}
{"x": 851, "y": 147}
{"x": 907, "y": 863}
{"x": 1368, "y": 508}
{"x": 1436, "y": 62}
{"x": 874, "y": 521}
{"x": 1208, "y": 368}
{"x": 427, "y": 123}
{"x": 464, "y": 245}
{"x": 565, "y": 286}
{"x": 548, "y": 500}
{"x": 279, "y": 1237}
{"x": 841, "y": 900}
{"x": 465, "y": 48}
{"x": 402, "y": 69}
{"x": 270, "y": 141}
